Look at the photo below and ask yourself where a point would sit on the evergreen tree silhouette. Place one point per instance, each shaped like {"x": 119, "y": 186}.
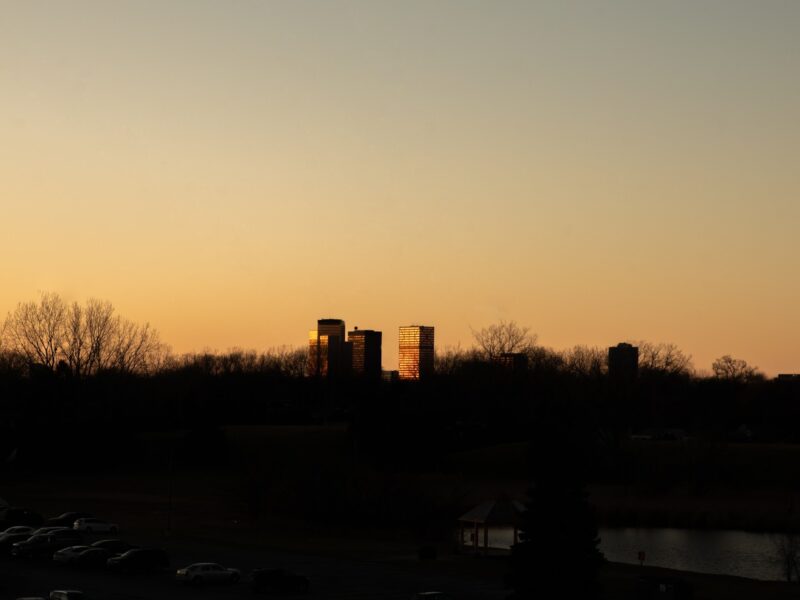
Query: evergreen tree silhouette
{"x": 558, "y": 554}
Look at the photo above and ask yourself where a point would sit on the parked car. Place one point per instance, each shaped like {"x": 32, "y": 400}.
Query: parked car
{"x": 67, "y": 519}
{"x": 46, "y": 530}
{"x": 7, "y": 540}
{"x": 139, "y": 559}
{"x": 279, "y": 581}
{"x": 45, "y": 545}
{"x": 93, "y": 558}
{"x": 114, "y": 545}
{"x": 200, "y": 573}
{"x": 92, "y": 525}
{"x": 69, "y": 554}
{"x": 19, "y": 529}
{"x": 67, "y": 595}
{"x": 14, "y": 515}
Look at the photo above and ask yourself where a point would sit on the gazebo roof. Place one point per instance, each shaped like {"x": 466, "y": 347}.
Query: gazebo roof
{"x": 495, "y": 512}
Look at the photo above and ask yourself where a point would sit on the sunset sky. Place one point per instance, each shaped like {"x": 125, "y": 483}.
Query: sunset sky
{"x": 232, "y": 171}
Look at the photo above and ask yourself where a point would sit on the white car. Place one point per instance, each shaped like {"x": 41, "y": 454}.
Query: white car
{"x": 68, "y": 554}
{"x": 200, "y": 573}
{"x": 92, "y": 525}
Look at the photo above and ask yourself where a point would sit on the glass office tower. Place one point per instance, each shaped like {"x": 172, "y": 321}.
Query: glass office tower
{"x": 416, "y": 352}
{"x": 326, "y": 349}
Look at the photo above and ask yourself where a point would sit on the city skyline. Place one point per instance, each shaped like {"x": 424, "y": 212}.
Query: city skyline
{"x": 598, "y": 172}
{"x": 332, "y": 350}
{"x": 375, "y": 298}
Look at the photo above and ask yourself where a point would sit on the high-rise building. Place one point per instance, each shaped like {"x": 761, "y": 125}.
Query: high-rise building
{"x": 331, "y": 328}
{"x": 416, "y": 352}
{"x": 327, "y": 349}
{"x": 623, "y": 363}
{"x": 366, "y": 352}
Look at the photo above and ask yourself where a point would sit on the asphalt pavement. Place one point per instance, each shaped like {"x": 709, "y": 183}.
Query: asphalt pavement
{"x": 330, "y": 577}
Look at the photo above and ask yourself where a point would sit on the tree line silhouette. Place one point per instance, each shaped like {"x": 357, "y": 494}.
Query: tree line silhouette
{"x": 83, "y": 368}
{"x": 81, "y": 387}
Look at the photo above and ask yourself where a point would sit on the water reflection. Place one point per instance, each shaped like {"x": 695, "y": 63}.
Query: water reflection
{"x": 740, "y": 553}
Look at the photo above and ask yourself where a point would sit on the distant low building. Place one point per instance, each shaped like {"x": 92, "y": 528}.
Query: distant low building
{"x": 513, "y": 361}
{"x": 390, "y": 375}
{"x": 788, "y": 385}
{"x": 793, "y": 377}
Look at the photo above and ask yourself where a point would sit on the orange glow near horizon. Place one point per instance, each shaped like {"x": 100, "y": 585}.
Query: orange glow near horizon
{"x": 231, "y": 174}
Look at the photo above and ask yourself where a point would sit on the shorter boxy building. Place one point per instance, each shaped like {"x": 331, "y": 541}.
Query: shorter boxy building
{"x": 365, "y": 352}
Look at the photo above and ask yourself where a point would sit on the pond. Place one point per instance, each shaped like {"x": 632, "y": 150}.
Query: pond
{"x": 740, "y": 553}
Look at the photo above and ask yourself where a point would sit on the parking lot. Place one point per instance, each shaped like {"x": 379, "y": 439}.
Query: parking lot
{"x": 330, "y": 577}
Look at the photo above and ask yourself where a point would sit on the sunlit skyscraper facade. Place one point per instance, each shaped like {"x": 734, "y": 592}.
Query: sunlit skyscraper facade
{"x": 416, "y": 352}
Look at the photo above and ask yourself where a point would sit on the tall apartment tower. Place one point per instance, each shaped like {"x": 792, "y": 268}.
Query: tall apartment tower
{"x": 327, "y": 349}
{"x": 416, "y": 352}
{"x": 623, "y": 363}
{"x": 365, "y": 352}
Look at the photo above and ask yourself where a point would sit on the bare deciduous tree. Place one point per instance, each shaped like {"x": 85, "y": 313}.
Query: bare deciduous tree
{"x": 37, "y": 330}
{"x": 283, "y": 360}
{"x": 503, "y": 338}
{"x": 286, "y": 360}
{"x": 734, "y": 369}
{"x": 134, "y": 348}
{"x": 585, "y": 360}
{"x": 663, "y": 358}
{"x": 100, "y": 325}
{"x": 86, "y": 338}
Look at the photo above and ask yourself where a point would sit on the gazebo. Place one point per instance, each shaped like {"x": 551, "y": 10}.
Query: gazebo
{"x": 502, "y": 512}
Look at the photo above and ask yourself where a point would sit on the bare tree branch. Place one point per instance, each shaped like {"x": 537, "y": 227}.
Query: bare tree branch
{"x": 503, "y": 338}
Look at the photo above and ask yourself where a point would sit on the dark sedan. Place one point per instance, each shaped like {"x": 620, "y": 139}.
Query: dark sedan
{"x": 114, "y": 545}
{"x": 39, "y": 546}
{"x": 139, "y": 559}
{"x": 96, "y": 558}
{"x": 66, "y": 519}
{"x": 9, "y": 539}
